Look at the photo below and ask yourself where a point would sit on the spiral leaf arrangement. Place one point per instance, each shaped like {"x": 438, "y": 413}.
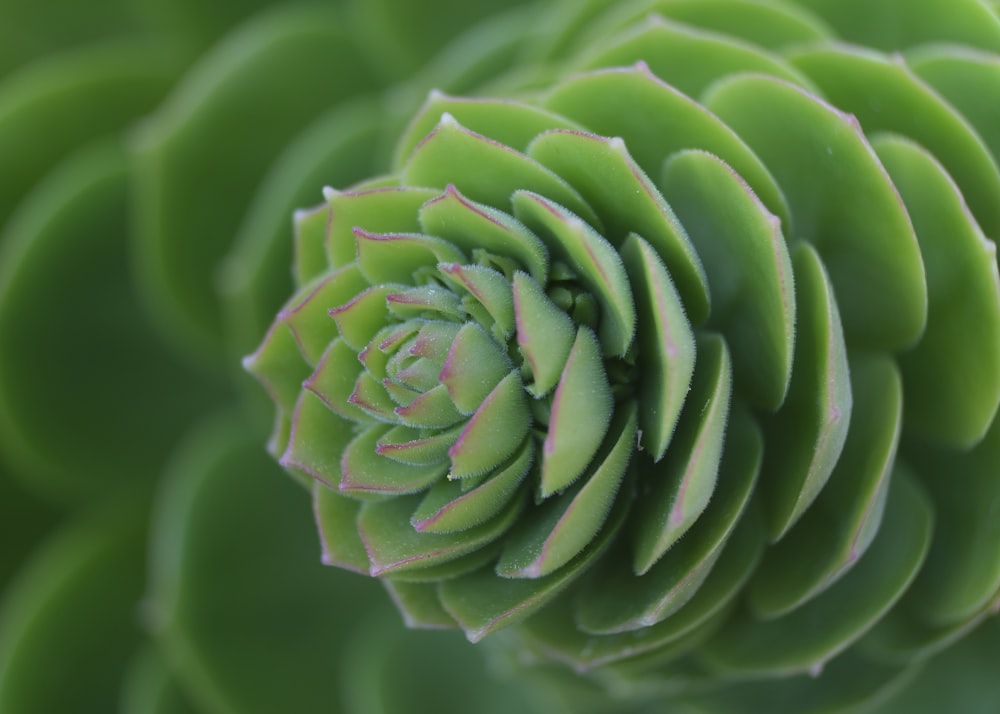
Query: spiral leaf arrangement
{"x": 684, "y": 356}
{"x": 777, "y": 342}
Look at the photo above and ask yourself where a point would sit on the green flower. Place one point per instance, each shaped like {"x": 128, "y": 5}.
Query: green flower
{"x": 679, "y": 350}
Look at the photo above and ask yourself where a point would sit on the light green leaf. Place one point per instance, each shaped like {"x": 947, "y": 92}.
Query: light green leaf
{"x": 482, "y": 602}
{"x": 455, "y": 156}
{"x": 490, "y": 289}
{"x": 371, "y": 396}
{"x": 609, "y": 179}
{"x": 619, "y": 600}
{"x": 808, "y": 637}
{"x": 425, "y": 301}
{"x": 450, "y": 506}
{"x": 316, "y": 443}
{"x": 470, "y": 226}
{"x": 365, "y": 473}
{"x": 474, "y": 366}
{"x": 582, "y": 407}
{"x": 886, "y": 96}
{"x": 376, "y": 210}
{"x": 842, "y": 201}
{"x": 395, "y": 547}
{"x": 337, "y": 522}
{"x": 773, "y": 26}
{"x": 494, "y": 432}
{"x": 688, "y": 58}
{"x": 307, "y": 313}
{"x": 408, "y": 445}
{"x": 594, "y": 260}
{"x": 675, "y": 492}
{"x": 511, "y": 123}
{"x": 560, "y": 632}
{"x": 666, "y": 354}
{"x": 360, "y": 318}
{"x": 310, "y": 243}
{"x": 419, "y": 605}
{"x": 555, "y": 531}
{"x": 952, "y": 377}
{"x": 898, "y": 24}
{"x": 545, "y": 334}
{"x": 432, "y": 409}
{"x": 833, "y": 534}
{"x": 630, "y": 96}
{"x": 968, "y": 80}
{"x": 279, "y": 366}
{"x": 397, "y": 257}
{"x": 812, "y": 424}
{"x": 334, "y": 380}
{"x": 749, "y": 272}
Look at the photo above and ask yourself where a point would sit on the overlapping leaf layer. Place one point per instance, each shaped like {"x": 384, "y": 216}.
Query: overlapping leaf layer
{"x": 682, "y": 353}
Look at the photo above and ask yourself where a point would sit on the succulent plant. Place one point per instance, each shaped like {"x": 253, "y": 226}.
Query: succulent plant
{"x": 152, "y": 557}
{"x": 674, "y": 353}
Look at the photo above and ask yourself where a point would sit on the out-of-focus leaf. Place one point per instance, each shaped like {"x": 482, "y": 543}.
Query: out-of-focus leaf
{"x": 689, "y": 59}
{"x": 69, "y": 621}
{"x": 955, "y": 679}
{"x": 149, "y": 687}
{"x": 60, "y": 102}
{"x": 969, "y": 80}
{"x": 24, "y": 519}
{"x": 82, "y": 374}
{"x": 898, "y": 24}
{"x": 400, "y": 36}
{"x": 962, "y": 574}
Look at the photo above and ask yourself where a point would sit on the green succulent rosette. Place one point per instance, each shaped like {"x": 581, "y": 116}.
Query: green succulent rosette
{"x": 679, "y": 350}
